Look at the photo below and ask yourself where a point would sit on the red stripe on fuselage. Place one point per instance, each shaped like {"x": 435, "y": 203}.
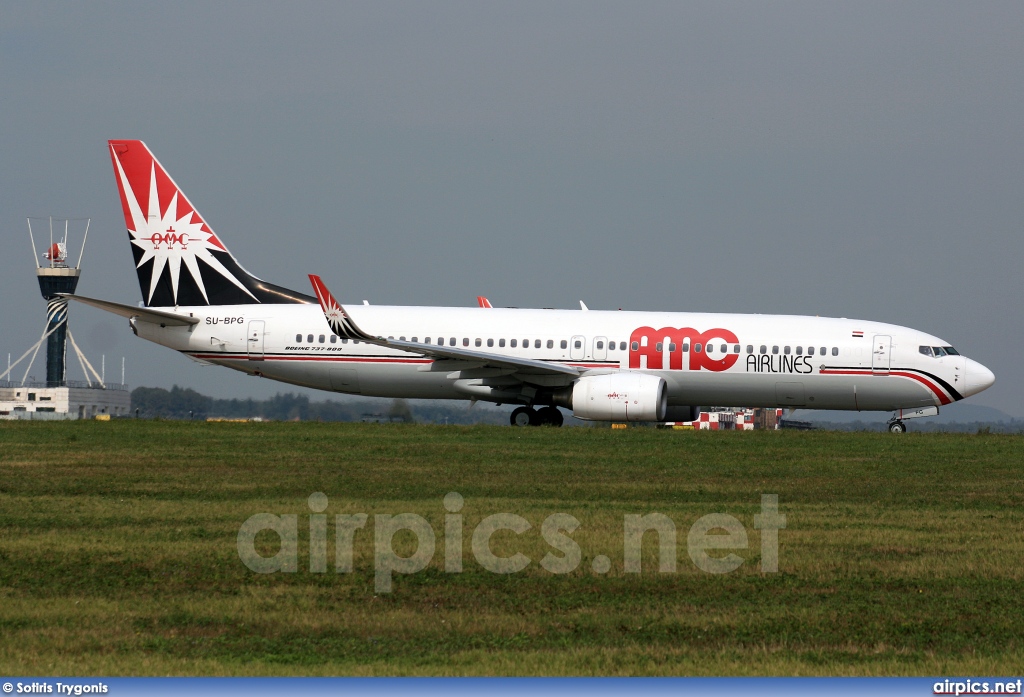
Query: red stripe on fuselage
{"x": 943, "y": 397}
{"x": 337, "y": 359}
{"x": 356, "y": 359}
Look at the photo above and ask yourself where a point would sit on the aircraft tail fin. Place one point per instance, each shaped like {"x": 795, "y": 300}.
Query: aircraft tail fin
{"x": 178, "y": 258}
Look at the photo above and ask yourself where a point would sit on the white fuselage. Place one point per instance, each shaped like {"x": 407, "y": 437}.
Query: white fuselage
{"x": 754, "y": 360}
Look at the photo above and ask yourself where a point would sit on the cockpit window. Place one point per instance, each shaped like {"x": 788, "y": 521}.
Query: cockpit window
{"x": 939, "y": 351}
{"x": 925, "y": 350}
{"x": 951, "y": 351}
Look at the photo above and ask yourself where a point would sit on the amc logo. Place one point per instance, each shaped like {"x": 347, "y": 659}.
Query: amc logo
{"x": 169, "y": 238}
{"x": 646, "y": 341}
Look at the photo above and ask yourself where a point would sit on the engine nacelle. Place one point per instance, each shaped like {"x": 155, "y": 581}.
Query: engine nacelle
{"x": 620, "y": 397}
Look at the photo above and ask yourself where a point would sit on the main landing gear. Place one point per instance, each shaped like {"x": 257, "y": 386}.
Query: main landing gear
{"x": 545, "y": 416}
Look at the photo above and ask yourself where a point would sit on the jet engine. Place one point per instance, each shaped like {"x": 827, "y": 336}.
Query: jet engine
{"x": 621, "y": 396}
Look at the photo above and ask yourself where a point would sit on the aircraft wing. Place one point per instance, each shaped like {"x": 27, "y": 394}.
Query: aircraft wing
{"x": 146, "y": 314}
{"x": 341, "y": 323}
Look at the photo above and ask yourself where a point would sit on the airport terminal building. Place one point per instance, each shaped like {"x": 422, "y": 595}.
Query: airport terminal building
{"x": 70, "y": 401}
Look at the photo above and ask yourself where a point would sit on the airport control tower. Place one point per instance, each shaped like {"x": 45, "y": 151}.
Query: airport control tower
{"x": 57, "y": 277}
{"x": 57, "y": 397}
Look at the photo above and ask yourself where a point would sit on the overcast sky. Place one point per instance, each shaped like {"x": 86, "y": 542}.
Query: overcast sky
{"x": 856, "y": 159}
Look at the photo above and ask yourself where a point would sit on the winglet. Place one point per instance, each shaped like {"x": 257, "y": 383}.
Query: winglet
{"x": 483, "y": 302}
{"x": 340, "y": 321}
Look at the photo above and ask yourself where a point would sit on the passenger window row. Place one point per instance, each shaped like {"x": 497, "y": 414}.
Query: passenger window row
{"x": 478, "y": 342}
{"x": 935, "y": 351}
{"x": 735, "y": 348}
{"x": 786, "y": 350}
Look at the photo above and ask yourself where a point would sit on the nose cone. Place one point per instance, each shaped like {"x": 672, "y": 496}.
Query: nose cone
{"x": 978, "y": 378}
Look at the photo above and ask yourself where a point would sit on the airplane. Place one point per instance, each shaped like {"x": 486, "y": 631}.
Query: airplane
{"x": 621, "y": 366}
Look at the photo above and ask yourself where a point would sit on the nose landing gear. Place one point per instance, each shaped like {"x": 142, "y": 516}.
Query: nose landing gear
{"x": 896, "y": 424}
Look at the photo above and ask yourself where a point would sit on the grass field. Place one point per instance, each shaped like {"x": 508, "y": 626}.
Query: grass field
{"x": 901, "y": 555}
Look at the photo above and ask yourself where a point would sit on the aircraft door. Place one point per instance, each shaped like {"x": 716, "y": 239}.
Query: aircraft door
{"x": 881, "y": 352}
{"x": 577, "y": 348}
{"x": 254, "y": 344}
{"x": 600, "y": 348}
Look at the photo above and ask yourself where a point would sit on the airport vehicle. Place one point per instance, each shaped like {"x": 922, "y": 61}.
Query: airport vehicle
{"x": 601, "y": 365}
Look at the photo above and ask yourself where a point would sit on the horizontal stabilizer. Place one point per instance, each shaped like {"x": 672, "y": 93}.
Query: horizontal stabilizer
{"x": 169, "y": 319}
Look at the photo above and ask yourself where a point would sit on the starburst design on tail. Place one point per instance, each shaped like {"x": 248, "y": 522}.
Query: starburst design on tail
{"x": 169, "y": 240}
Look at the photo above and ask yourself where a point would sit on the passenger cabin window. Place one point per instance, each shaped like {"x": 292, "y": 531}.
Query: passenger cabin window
{"x": 786, "y": 350}
{"x": 725, "y": 349}
{"x": 835, "y": 351}
{"x": 490, "y": 343}
{"x": 600, "y": 345}
{"x": 711, "y": 348}
{"x": 334, "y": 338}
{"x": 775, "y": 349}
{"x": 622, "y": 345}
{"x": 671, "y": 348}
{"x": 764, "y": 349}
{"x": 822, "y": 351}
{"x": 564, "y": 344}
{"x": 440, "y": 341}
{"x": 322, "y": 338}
{"x": 536, "y": 343}
{"x": 635, "y": 345}
{"x": 696, "y": 348}
{"x": 657, "y": 347}
{"x": 478, "y": 342}
{"x": 736, "y": 348}
{"x": 810, "y": 350}
{"x": 344, "y": 340}
{"x": 750, "y": 348}
{"x": 401, "y": 338}
{"x": 415, "y": 340}
{"x": 465, "y": 341}
{"x": 501, "y": 343}
{"x": 799, "y": 350}
{"x": 579, "y": 344}
{"x": 452, "y": 341}
{"x": 925, "y": 350}
{"x": 309, "y": 338}
{"x": 551, "y": 343}
{"x": 298, "y": 338}
{"x": 512, "y": 343}
{"x": 686, "y": 348}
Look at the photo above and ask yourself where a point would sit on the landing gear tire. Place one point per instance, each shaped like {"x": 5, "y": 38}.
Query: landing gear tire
{"x": 550, "y": 416}
{"x": 523, "y": 416}
{"x": 897, "y": 427}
